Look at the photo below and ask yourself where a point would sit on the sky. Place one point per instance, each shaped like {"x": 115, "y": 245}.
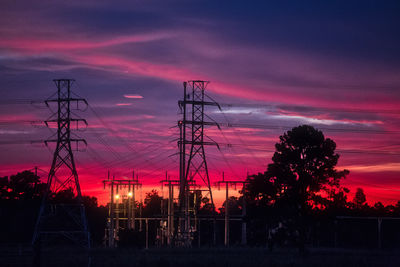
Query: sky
{"x": 272, "y": 65}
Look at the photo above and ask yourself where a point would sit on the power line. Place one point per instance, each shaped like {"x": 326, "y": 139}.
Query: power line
{"x": 20, "y": 142}
{"x": 298, "y": 108}
{"x": 237, "y": 136}
{"x": 281, "y": 127}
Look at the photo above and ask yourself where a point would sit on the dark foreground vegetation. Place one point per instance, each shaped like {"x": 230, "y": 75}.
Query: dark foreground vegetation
{"x": 297, "y": 212}
{"x": 206, "y": 257}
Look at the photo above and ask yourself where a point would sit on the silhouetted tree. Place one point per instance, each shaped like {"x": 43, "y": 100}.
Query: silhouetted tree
{"x": 152, "y": 204}
{"x": 89, "y": 202}
{"x": 379, "y": 209}
{"x": 302, "y": 167}
{"x": 20, "y": 199}
{"x": 235, "y": 206}
{"x": 24, "y": 185}
{"x": 396, "y": 210}
{"x": 304, "y": 164}
{"x": 259, "y": 190}
{"x": 334, "y": 203}
{"x": 4, "y": 187}
{"x": 359, "y": 198}
{"x": 260, "y": 194}
{"x": 339, "y": 198}
{"x": 206, "y": 207}
{"x": 63, "y": 196}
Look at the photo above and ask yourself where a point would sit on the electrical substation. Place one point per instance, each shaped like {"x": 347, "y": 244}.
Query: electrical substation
{"x": 178, "y": 225}
{"x": 180, "y": 222}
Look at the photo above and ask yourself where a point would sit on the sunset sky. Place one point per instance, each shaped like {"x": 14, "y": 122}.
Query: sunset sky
{"x": 272, "y": 65}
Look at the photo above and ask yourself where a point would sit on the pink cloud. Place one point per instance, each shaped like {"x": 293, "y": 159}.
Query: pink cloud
{"x": 231, "y": 84}
{"x": 49, "y": 45}
{"x": 133, "y": 96}
{"x": 123, "y": 104}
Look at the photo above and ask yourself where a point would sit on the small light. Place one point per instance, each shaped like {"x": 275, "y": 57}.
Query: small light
{"x": 130, "y": 194}
{"x": 116, "y": 196}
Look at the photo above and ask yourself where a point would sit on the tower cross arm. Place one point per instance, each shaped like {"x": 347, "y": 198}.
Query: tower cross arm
{"x": 201, "y": 143}
{"x": 66, "y": 119}
{"x": 72, "y": 140}
{"x": 193, "y": 102}
{"x": 202, "y": 123}
{"x": 66, "y": 99}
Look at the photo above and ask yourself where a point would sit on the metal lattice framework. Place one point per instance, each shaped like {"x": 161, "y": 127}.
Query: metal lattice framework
{"x": 58, "y": 219}
{"x": 195, "y": 167}
{"x": 115, "y": 211}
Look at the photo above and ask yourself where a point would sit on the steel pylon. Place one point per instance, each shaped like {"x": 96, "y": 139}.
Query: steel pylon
{"x": 62, "y": 218}
{"x": 194, "y": 167}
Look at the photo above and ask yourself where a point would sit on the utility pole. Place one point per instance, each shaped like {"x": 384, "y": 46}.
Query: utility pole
{"x": 63, "y": 221}
{"x": 195, "y": 167}
{"x": 111, "y": 233}
{"x": 170, "y": 221}
{"x": 227, "y": 216}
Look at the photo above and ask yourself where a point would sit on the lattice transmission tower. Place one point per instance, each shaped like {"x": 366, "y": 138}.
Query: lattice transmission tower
{"x": 62, "y": 218}
{"x": 194, "y": 167}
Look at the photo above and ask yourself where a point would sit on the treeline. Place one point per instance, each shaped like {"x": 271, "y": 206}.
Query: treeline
{"x": 297, "y": 201}
{"x": 20, "y": 198}
{"x": 21, "y": 195}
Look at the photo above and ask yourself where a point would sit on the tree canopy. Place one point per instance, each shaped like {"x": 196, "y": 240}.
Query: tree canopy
{"x": 302, "y": 175}
{"x": 304, "y": 164}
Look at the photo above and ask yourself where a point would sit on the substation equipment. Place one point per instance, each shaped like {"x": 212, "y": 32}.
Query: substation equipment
{"x": 122, "y": 208}
{"x": 227, "y": 216}
{"x": 179, "y": 222}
